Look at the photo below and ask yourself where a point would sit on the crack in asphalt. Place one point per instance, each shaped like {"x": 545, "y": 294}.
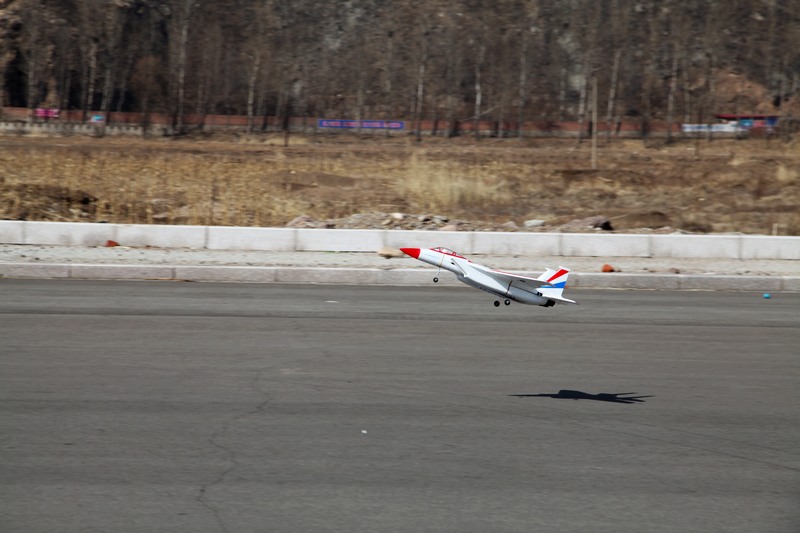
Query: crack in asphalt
{"x": 214, "y": 439}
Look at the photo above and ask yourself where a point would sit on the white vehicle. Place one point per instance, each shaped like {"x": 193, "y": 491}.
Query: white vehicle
{"x": 545, "y": 290}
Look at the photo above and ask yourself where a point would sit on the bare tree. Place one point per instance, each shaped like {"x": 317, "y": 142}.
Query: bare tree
{"x": 146, "y": 81}
{"x": 89, "y": 25}
{"x": 673, "y": 88}
{"x": 182, "y": 13}
{"x": 33, "y": 52}
{"x": 587, "y": 22}
{"x": 478, "y": 65}
{"x": 112, "y": 28}
{"x": 422, "y": 64}
{"x": 256, "y": 50}
{"x": 522, "y": 86}
{"x": 36, "y": 51}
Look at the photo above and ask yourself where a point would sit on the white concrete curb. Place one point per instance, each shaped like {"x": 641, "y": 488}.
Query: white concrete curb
{"x": 376, "y": 276}
{"x": 343, "y": 240}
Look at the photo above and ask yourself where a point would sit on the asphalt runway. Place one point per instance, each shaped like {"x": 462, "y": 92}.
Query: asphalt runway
{"x": 167, "y": 406}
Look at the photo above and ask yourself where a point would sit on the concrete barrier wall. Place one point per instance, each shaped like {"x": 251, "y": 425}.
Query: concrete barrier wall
{"x": 342, "y": 240}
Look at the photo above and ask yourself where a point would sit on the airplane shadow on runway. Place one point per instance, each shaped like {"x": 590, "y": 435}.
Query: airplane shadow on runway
{"x": 620, "y": 397}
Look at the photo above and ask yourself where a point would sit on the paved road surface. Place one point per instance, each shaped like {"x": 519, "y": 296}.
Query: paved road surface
{"x": 165, "y": 406}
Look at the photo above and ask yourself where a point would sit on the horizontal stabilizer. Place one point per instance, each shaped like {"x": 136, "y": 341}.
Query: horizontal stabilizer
{"x": 559, "y": 299}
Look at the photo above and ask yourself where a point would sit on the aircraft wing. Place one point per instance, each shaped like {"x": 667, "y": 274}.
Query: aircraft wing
{"x": 515, "y": 279}
{"x": 548, "y": 289}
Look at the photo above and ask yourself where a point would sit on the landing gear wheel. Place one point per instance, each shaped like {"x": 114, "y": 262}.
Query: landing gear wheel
{"x": 497, "y": 303}
{"x": 436, "y": 280}
{"x": 508, "y": 302}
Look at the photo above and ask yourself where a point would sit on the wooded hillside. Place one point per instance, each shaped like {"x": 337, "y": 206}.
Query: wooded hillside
{"x": 450, "y": 60}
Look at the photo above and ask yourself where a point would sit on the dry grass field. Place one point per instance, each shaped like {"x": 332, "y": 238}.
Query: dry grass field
{"x": 744, "y": 186}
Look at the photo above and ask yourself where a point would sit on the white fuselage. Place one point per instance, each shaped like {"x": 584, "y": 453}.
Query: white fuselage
{"x": 476, "y": 275}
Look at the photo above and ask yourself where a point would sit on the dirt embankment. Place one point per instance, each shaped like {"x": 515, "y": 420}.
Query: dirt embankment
{"x": 750, "y": 186}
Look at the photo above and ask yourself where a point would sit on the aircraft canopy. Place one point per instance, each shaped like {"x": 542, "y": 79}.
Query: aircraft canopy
{"x": 447, "y": 251}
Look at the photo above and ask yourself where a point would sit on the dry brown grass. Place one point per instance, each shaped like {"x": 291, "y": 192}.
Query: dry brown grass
{"x": 719, "y": 186}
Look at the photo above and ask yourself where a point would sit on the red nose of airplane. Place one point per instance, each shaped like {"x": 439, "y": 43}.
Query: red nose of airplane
{"x": 413, "y": 252}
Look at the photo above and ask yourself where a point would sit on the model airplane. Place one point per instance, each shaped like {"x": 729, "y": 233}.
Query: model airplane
{"x": 545, "y": 290}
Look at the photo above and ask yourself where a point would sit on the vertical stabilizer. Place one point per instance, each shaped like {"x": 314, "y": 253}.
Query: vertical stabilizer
{"x": 556, "y": 281}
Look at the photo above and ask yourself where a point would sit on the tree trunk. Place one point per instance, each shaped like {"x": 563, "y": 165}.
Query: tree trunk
{"x": 183, "y": 30}
{"x": 451, "y": 76}
{"x": 478, "y": 91}
{"x": 108, "y": 91}
{"x": 673, "y": 88}
{"x": 451, "y": 113}
{"x": 612, "y": 92}
{"x": 89, "y": 81}
{"x": 123, "y": 85}
{"x": 523, "y": 80}
{"x": 146, "y": 114}
{"x": 360, "y": 101}
{"x": 420, "y": 90}
{"x": 582, "y": 104}
{"x": 562, "y": 94}
{"x": 594, "y": 122}
{"x": 112, "y": 60}
{"x": 32, "y": 65}
{"x": 647, "y": 94}
{"x": 712, "y": 90}
{"x": 687, "y": 95}
{"x": 182, "y": 71}
{"x": 287, "y": 119}
{"x": 5, "y": 57}
{"x": 251, "y": 91}
{"x": 64, "y": 101}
